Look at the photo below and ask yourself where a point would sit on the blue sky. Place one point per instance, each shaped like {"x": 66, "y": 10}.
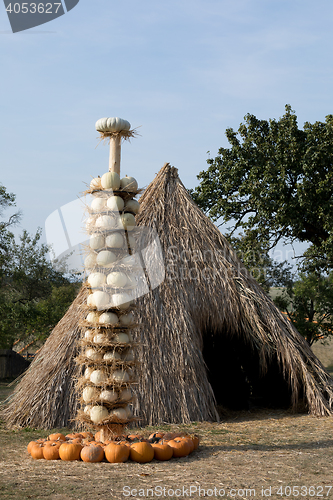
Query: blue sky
{"x": 183, "y": 71}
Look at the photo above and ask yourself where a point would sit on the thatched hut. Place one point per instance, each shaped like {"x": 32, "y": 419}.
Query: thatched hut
{"x": 210, "y": 335}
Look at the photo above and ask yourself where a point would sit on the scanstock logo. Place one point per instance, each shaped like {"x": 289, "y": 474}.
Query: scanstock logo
{"x": 25, "y": 15}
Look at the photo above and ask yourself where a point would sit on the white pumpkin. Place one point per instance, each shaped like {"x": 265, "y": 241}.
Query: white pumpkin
{"x": 112, "y": 125}
{"x": 110, "y": 180}
{"x": 125, "y": 395}
{"x": 96, "y": 279}
{"x": 108, "y": 396}
{"x": 98, "y": 414}
{"x": 105, "y": 258}
{"x": 129, "y": 413}
{"x": 128, "y": 221}
{"x": 87, "y": 409}
{"x": 120, "y": 376}
{"x": 116, "y": 279}
{"x": 129, "y": 184}
{"x": 98, "y": 204}
{"x": 90, "y": 261}
{"x": 87, "y": 372}
{"x": 97, "y": 241}
{"x": 132, "y": 206}
{"x": 89, "y": 335}
{"x": 90, "y": 222}
{"x": 102, "y": 300}
{"x": 114, "y": 240}
{"x": 129, "y": 355}
{"x": 120, "y": 413}
{"x": 112, "y": 356}
{"x": 108, "y": 318}
{"x": 121, "y": 300}
{"x": 106, "y": 222}
{"x": 127, "y": 319}
{"x": 93, "y": 354}
{"x": 92, "y": 317}
{"x": 91, "y": 301}
{"x": 115, "y": 203}
{"x": 90, "y": 394}
{"x": 98, "y": 377}
{"x": 100, "y": 338}
{"x": 121, "y": 337}
{"x": 95, "y": 183}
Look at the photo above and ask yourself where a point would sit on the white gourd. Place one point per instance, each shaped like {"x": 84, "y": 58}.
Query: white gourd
{"x": 100, "y": 338}
{"x": 106, "y": 222}
{"x": 125, "y": 395}
{"x": 97, "y": 241}
{"x": 112, "y": 125}
{"x": 127, "y": 319}
{"x": 128, "y": 183}
{"x": 90, "y": 393}
{"x": 105, "y": 258}
{"x": 116, "y": 279}
{"x": 89, "y": 335}
{"x": 98, "y": 204}
{"x": 98, "y": 377}
{"x": 120, "y": 376}
{"x": 108, "y": 318}
{"x": 132, "y": 206}
{"x": 114, "y": 240}
{"x": 112, "y": 356}
{"x": 96, "y": 279}
{"x": 110, "y": 180}
{"x": 98, "y": 414}
{"x": 92, "y": 317}
{"x": 121, "y": 300}
{"x": 87, "y": 372}
{"x": 121, "y": 337}
{"x": 90, "y": 222}
{"x": 91, "y": 301}
{"x": 95, "y": 183}
{"x": 94, "y": 355}
{"x": 120, "y": 413}
{"x": 115, "y": 203}
{"x": 102, "y": 299}
{"x": 128, "y": 221}
{"x": 87, "y": 409}
{"x": 90, "y": 261}
{"x": 108, "y": 396}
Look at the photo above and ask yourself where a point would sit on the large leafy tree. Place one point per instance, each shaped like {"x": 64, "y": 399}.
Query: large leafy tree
{"x": 275, "y": 182}
{"x": 33, "y": 294}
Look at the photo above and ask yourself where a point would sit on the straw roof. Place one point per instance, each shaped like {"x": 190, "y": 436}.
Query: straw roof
{"x": 207, "y": 314}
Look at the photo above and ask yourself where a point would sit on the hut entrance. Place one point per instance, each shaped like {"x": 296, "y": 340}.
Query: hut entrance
{"x": 233, "y": 370}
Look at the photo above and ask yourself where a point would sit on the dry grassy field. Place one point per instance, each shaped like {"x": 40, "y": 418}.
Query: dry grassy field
{"x": 272, "y": 454}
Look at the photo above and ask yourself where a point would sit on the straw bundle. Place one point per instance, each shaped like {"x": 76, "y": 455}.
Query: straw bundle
{"x": 206, "y": 329}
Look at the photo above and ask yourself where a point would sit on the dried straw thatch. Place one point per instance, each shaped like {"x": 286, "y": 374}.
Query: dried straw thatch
{"x": 210, "y": 335}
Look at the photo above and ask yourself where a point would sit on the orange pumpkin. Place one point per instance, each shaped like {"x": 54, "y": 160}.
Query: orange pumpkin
{"x": 181, "y": 447}
{"x": 30, "y": 445}
{"x": 189, "y": 441}
{"x": 87, "y": 435}
{"x": 51, "y": 451}
{"x": 133, "y": 437}
{"x": 196, "y": 440}
{"x": 156, "y": 435}
{"x": 116, "y": 452}
{"x": 70, "y": 451}
{"x": 98, "y": 436}
{"x": 92, "y": 453}
{"x": 57, "y": 437}
{"x": 162, "y": 451}
{"x": 37, "y": 451}
{"x": 142, "y": 452}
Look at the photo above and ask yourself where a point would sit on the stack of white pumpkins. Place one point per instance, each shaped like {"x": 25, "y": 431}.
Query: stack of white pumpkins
{"x": 107, "y": 348}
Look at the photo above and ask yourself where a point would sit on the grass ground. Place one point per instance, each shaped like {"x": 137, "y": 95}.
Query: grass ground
{"x": 271, "y": 454}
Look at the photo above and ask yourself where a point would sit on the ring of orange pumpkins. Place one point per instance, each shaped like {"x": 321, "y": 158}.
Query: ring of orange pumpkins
{"x": 86, "y": 447}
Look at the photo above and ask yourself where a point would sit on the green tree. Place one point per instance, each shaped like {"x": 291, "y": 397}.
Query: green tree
{"x": 275, "y": 182}
{"x": 309, "y": 305}
{"x": 33, "y": 294}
